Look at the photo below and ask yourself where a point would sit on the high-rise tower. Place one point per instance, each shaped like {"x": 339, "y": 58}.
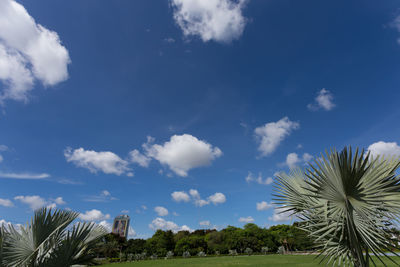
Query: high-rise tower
{"x": 121, "y": 225}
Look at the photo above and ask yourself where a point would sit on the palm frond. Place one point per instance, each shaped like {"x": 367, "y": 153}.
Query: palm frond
{"x": 77, "y": 246}
{"x": 347, "y": 201}
{"x": 31, "y": 244}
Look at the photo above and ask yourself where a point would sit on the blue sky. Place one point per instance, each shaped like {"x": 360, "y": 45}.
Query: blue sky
{"x": 110, "y": 107}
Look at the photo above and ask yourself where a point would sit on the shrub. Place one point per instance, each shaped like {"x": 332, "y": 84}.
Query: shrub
{"x": 264, "y": 250}
{"x": 201, "y": 254}
{"x": 169, "y": 255}
{"x": 248, "y": 251}
{"x": 233, "y": 252}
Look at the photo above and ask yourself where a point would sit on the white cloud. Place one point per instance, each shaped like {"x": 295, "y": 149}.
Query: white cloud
{"x": 218, "y": 20}
{"x": 131, "y": 232}
{"x": 205, "y": 223}
{"x": 280, "y": 215}
{"x": 194, "y": 193}
{"x": 3, "y": 148}
{"x": 106, "y": 225}
{"x": 104, "y": 161}
{"x": 59, "y": 201}
{"x": 263, "y": 205}
{"x": 387, "y": 149}
{"x": 323, "y": 100}
{"x": 396, "y": 24}
{"x": 35, "y": 202}
{"x": 307, "y": 157}
{"x": 104, "y": 196}
{"x": 160, "y": 223}
{"x": 272, "y": 134}
{"x": 125, "y": 211}
{"x": 246, "y": 219}
{"x": 28, "y": 51}
{"x": 169, "y": 40}
{"x": 292, "y": 159}
{"x": 139, "y": 158}
{"x": 217, "y": 198}
{"x": 161, "y": 211}
{"x": 28, "y": 176}
{"x": 180, "y": 196}
{"x": 6, "y": 202}
{"x": 94, "y": 215}
{"x": 1, "y": 158}
{"x": 251, "y": 178}
{"x": 182, "y": 153}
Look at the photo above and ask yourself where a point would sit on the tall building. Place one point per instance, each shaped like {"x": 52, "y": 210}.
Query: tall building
{"x": 121, "y": 225}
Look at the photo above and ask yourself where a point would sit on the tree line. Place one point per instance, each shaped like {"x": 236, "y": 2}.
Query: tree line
{"x": 250, "y": 238}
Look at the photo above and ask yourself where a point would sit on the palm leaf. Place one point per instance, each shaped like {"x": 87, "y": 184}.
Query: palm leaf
{"x": 31, "y": 244}
{"x": 347, "y": 201}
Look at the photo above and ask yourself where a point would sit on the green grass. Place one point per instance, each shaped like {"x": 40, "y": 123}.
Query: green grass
{"x": 256, "y": 260}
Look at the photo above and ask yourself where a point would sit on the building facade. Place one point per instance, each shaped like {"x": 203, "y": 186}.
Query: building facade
{"x": 121, "y": 225}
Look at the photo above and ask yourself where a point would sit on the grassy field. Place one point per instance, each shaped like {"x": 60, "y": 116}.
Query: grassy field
{"x": 268, "y": 260}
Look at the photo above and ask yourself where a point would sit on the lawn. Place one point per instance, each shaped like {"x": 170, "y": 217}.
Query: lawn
{"x": 269, "y": 260}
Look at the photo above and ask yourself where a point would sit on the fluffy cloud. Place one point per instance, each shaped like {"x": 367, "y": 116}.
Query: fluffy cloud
{"x": 139, "y": 158}
{"x": 160, "y": 223}
{"x": 28, "y": 51}
{"x": 161, "y": 211}
{"x": 35, "y": 202}
{"x": 272, "y": 134}
{"x": 324, "y": 100}
{"x": 180, "y": 196}
{"x": 1, "y": 158}
{"x": 280, "y": 215}
{"x": 94, "y": 215}
{"x": 217, "y": 198}
{"x": 218, "y": 20}
{"x": 263, "y": 205}
{"x": 106, "y": 225}
{"x": 251, "y": 178}
{"x": 205, "y": 223}
{"x": 59, "y": 201}
{"x": 384, "y": 149}
{"x": 6, "y": 202}
{"x": 246, "y": 219}
{"x": 292, "y": 159}
{"x": 27, "y": 176}
{"x": 104, "y": 161}
{"x": 182, "y": 153}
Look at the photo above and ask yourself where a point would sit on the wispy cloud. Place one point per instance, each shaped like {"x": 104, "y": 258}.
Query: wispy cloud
{"x": 24, "y": 175}
{"x": 104, "y": 196}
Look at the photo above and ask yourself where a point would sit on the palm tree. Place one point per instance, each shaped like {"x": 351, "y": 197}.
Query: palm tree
{"x": 49, "y": 241}
{"x": 347, "y": 204}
